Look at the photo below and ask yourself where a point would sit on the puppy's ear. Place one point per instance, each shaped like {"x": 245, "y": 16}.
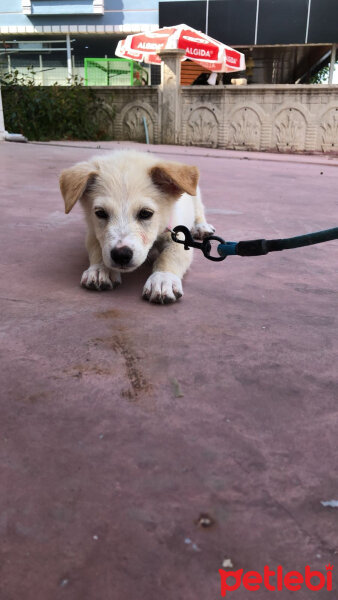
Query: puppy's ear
{"x": 174, "y": 178}
{"x": 74, "y": 181}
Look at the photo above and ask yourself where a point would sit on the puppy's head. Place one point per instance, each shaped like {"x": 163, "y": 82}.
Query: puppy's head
{"x": 128, "y": 198}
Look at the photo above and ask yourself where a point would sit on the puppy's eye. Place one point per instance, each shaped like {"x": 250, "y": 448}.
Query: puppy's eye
{"x": 145, "y": 214}
{"x": 101, "y": 214}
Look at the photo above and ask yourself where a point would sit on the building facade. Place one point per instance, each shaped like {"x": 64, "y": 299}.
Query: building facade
{"x": 285, "y": 41}
{"x": 52, "y": 38}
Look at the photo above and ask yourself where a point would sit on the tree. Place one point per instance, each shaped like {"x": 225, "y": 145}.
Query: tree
{"x": 322, "y": 75}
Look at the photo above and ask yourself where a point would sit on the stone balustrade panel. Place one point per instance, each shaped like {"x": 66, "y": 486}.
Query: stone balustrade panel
{"x": 284, "y": 118}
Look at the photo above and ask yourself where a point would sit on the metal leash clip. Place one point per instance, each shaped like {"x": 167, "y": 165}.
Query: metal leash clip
{"x": 189, "y": 242}
{"x": 250, "y": 247}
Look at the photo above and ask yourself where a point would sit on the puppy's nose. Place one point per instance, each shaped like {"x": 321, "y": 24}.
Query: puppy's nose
{"x": 122, "y": 256}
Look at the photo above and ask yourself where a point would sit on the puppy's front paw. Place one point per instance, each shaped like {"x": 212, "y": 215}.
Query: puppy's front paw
{"x": 202, "y": 230}
{"x": 163, "y": 288}
{"x": 98, "y": 277}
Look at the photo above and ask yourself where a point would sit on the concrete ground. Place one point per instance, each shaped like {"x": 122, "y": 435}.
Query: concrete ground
{"x": 123, "y": 422}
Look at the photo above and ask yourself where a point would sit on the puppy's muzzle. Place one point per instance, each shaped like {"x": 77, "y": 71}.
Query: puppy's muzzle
{"x": 122, "y": 256}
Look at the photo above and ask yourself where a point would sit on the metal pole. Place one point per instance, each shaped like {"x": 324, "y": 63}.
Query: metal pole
{"x": 207, "y": 17}
{"x": 2, "y": 124}
{"x": 307, "y": 21}
{"x": 332, "y": 62}
{"x": 41, "y": 70}
{"x": 69, "y": 58}
{"x": 9, "y": 63}
{"x": 256, "y": 25}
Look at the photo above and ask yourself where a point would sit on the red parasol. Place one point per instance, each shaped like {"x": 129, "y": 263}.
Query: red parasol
{"x": 199, "y": 47}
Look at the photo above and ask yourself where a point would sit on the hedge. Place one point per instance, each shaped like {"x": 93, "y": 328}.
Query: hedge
{"x": 51, "y": 112}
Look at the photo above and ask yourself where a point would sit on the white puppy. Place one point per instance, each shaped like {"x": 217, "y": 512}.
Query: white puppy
{"x": 130, "y": 199}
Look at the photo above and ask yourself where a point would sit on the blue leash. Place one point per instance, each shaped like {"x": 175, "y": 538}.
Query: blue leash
{"x": 250, "y": 247}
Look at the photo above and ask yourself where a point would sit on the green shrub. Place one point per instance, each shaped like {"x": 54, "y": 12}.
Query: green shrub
{"x": 53, "y": 112}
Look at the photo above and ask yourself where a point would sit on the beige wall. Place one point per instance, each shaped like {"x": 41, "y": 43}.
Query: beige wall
{"x": 285, "y": 118}
{"x": 270, "y": 117}
{"x": 130, "y": 105}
